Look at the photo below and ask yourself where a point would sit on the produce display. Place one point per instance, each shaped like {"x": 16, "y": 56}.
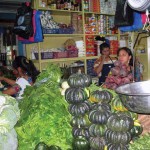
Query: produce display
{"x": 71, "y": 115}
{"x": 44, "y": 113}
{"x": 77, "y": 95}
{"x": 119, "y": 76}
{"x": 9, "y": 115}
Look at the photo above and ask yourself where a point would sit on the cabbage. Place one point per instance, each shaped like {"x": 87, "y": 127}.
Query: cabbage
{"x": 9, "y": 115}
{"x": 9, "y": 140}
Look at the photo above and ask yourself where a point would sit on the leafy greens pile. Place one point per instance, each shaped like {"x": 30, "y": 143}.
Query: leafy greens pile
{"x": 142, "y": 143}
{"x": 44, "y": 113}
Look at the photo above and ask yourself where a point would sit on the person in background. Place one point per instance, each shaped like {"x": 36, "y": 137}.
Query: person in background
{"x": 26, "y": 74}
{"x": 125, "y": 56}
{"x": 104, "y": 63}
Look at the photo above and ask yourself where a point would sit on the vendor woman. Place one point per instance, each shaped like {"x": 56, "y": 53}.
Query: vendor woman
{"x": 104, "y": 63}
{"x": 26, "y": 75}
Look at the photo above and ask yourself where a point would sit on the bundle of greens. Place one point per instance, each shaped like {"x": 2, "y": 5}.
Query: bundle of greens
{"x": 44, "y": 114}
{"x": 142, "y": 143}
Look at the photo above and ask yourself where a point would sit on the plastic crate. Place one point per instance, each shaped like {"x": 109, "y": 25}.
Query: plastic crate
{"x": 72, "y": 53}
{"x": 60, "y": 54}
{"x": 44, "y": 55}
{"x": 50, "y": 31}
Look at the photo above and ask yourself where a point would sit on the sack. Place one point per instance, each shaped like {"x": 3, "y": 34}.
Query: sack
{"x": 137, "y": 24}
{"x": 123, "y": 14}
{"x": 23, "y": 24}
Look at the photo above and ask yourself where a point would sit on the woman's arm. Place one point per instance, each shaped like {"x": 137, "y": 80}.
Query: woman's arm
{"x": 99, "y": 66}
{"x": 12, "y": 90}
{"x": 9, "y": 81}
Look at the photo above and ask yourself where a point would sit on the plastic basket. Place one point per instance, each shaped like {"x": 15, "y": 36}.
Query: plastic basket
{"x": 60, "y": 54}
{"x": 50, "y": 31}
{"x": 72, "y": 53}
{"x": 44, "y": 55}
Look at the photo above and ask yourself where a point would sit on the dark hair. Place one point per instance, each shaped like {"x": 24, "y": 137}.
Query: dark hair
{"x": 102, "y": 46}
{"x": 27, "y": 66}
{"x": 129, "y": 53}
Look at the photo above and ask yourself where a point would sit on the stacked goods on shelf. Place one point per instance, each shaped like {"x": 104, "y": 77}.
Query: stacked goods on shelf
{"x": 98, "y": 116}
{"x": 76, "y": 22}
{"x": 90, "y": 48}
{"x": 99, "y": 24}
{"x": 44, "y": 113}
{"x": 114, "y": 45}
{"x": 81, "y": 48}
{"x": 9, "y": 115}
{"x": 73, "y": 5}
{"x": 50, "y": 26}
{"x": 108, "y": 7}
{"x": 76, "y": 95}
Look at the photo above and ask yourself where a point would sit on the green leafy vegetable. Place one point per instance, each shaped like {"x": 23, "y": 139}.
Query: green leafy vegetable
{"x": 44, "y": 114}
{"x": 142, "y": 143}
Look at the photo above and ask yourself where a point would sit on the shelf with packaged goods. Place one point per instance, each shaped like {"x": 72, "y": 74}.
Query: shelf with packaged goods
{"x": 55, "y": 40}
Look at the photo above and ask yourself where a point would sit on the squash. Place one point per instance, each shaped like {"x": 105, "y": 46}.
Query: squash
{"x": 80, "y": 121}
{"x": 97, "y": 143}
{"x": 79, "y": 80}
{"x": 79, "y": 109}
{"x": 136, "y": 131}
{"x": 100, "y": 115}
{"x": 80, "y": 132}
{"x": 97, "y": 130}
{"x": 117, "y": 137}
{"x": 100, "y": 96}
{"x": 54, "y": 147}
{"x": 41, "y": 146}
{"x": 133, "y": 115}
{"x": 117, "y": 104}
{"x": 111, "y": 146}
{"x": 120, "y": 122}
{"x": 80, "y": 143}
{"x": 75, "y": 95}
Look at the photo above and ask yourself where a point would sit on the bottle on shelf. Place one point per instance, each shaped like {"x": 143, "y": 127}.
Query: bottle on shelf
{"x": 86, "y": 6}
{"x": 62, "y": 4}
{"x": 69, "y": 4}
{"x": 65, "y": 5}
{"x": 58, "y": 5}
{"x": 72, "y": 4}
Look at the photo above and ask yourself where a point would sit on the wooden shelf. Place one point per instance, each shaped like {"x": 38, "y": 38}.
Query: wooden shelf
{"x": 58, "y": 10}
{"x": 63, "y": 35}
{"x": 65, "y": 59}
{"x": 98, "y": 13}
